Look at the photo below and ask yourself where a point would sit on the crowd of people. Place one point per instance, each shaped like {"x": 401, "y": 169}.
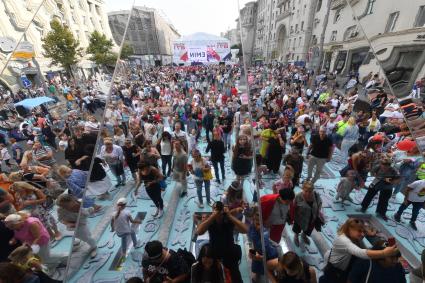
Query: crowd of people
{"x": 187, "y": 123}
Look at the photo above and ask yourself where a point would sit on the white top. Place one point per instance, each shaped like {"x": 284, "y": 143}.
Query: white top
{"x": 342, "y": 250}
{"x": 417, "y": 194}
{"x": 5, "y": 154}
{"x": 301, "y": 118}
{"x": 166, "y": 148}
{"x": 122, "y": 222}
{"x": 119, "y": 140}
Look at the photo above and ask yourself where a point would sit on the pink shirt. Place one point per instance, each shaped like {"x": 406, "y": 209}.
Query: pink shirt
{"x": 25, "y": 236}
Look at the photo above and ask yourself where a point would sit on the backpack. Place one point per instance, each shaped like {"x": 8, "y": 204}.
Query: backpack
{"x": 189, "y": 258}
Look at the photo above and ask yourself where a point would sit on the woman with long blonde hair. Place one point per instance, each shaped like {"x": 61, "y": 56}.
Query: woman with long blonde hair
{"x": 346, "y": 247}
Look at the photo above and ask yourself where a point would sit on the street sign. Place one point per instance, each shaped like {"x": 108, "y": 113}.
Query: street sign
{"x": 26, "y": 82}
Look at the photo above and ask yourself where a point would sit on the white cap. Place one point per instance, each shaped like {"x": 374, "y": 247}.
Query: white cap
{"x": 13, "y": 218}
{"x": 122, "y": 201}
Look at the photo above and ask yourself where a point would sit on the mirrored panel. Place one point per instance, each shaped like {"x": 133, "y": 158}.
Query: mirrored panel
{"x": 166, "y": 147}
{"x": 89, "y": 214}
{"x": 54, "y": 90}
{"x": 325, "y": 115}
{"x": 397, "y": 45}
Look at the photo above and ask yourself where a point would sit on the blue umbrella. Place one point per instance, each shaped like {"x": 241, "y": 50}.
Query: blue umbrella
{"x": 30, "y": 103}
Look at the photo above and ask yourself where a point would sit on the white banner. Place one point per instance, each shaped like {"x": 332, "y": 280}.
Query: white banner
{"x": 197, "y": 54}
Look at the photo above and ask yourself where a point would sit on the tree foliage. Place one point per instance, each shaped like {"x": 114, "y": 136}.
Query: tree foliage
{"x": 126, "y": 51}
{"x": 100, "y": 49}
{"x": 60, "y": 46}
{"x": 237, "y": 46}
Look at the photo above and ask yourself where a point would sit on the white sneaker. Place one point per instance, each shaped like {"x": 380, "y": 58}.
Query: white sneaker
{"x": 156, "y": 213}
{"x": 160, "y": 213}
{"x": 93, "y": 252}
{"x": 200, "y": 205}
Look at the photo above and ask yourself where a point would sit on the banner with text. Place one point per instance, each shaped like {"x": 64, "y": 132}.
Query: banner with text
{"x": 197, "y": 54}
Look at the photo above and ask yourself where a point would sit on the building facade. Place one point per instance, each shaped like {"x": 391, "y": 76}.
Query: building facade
{"x": 247, "y": 23}
{"x": 296, "y": 27}
{"x": 149, "y": 34}
{"x": 233, "y": 35}
{"x": 82, "y": 16}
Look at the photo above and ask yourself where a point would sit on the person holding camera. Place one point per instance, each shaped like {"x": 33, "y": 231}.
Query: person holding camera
{"x": 220, "y": 226}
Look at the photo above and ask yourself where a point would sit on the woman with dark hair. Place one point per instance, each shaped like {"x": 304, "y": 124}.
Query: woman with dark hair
{"x": 151, "y": 176}
{"x": 290, "y": 268}
{"x": 275, "y": 151}
{"x": 207, "y": 268}
{"x": 49, "y": 135}
{"x": 166, "y": 150}
{"x": 132, "y": 156}
{"x": 242, "y": 157}
{"x": 74, "y": 155}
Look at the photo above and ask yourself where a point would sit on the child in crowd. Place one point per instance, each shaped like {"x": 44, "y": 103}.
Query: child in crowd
{"x": 345, "y": 186}
{"x": 121, "y": 224}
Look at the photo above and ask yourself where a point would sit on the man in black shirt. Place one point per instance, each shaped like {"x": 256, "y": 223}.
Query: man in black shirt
{"x": 226, "y": 122}
{"x": 163, "y": 265}
{"x": 217, "y": 155}
{"x": 319, "y": 152}
{"x": 220, "y": 226}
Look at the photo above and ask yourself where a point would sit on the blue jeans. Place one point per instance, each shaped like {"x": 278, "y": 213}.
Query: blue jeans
{"x": 198, "y": 184}
{"x": 124, "y": 240}
{"x": 227, "y": 140}
{"x": 415, "y": 209}
{"x": 198, "y": 246}
{"x": 407, "y": 174}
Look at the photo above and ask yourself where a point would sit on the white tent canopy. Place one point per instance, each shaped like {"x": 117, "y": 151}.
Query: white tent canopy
{"x": 201, "y": 47}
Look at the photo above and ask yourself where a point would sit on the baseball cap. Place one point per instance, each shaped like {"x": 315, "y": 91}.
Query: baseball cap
{"x": 333, "y": 115}
{"x": 122, "y": 201}
{"x": 153, "y": 250}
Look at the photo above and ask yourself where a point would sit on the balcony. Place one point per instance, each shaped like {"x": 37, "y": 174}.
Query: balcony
{"x": 283, "y": 15}
{"x": 280, "y": 3}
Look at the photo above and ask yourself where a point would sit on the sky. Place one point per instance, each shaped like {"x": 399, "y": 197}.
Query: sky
{"x": 190, "y": 16}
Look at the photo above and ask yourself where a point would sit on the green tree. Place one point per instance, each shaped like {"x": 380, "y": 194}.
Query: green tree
{"x": 126, "y": 51}
{"x": 60, "y": 46}
{"x": 100, "y": 49}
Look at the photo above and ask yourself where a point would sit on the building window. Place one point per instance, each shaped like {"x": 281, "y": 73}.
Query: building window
{"x": 299, "y": 41}
{"x": 319, "y": 5}
{"x": 289, "y": 43}
{"x": 295, "y": 42}
{"x": 333, "y": 35}
{"x": 302, "y": 26}
{"x": 392, "y": 20}
{"x": 420, "y": 18}
{"x": 337, "y": 16}
{"x": 314, "y": 40}
{"x": 296, "y": 28}
{"x": 370, "y": 6}
{"x": 351, "y": 32}
{"x": 292, "y": 29}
